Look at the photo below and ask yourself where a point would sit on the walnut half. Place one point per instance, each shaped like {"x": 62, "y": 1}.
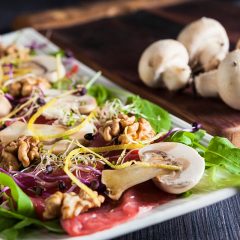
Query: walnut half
{"x": 127, "y": 129}
{"x": 68, "y": 205}
{"x": 19, "y": 152}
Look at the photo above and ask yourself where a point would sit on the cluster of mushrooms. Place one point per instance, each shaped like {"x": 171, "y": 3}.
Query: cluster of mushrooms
{"x": 200, "y": 54}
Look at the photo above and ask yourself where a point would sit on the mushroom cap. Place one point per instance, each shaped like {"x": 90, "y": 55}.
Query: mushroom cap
{"x": 162, "y": 61}
{"x": 229, "y": 79}
{"x": 5, "y": 106}
{"x": 206, "y": 41}
{"x": 193, "y": 166}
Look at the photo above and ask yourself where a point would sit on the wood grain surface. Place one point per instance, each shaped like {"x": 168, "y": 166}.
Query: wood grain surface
{"x": 79, "y": 14}
{"x": 114, "y": 45}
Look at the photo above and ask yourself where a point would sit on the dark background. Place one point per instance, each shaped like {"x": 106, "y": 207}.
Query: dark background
{"x": 10, "y": 9}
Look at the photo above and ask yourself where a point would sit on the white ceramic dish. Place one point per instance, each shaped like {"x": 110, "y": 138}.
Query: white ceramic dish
{"x": 162, "y": 213}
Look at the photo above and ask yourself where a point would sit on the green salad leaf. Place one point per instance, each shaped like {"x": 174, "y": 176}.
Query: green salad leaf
{"x": 14, "y": 220}
{"x": 101, "y": 93}
{"x": 222, "y": 160}
{"x": 221, "y": 152}
{"x": 14, "y": 223}
{"x": 24, "y": 203}
{"x": 158, "y": 117}
{"x": 187, "y": 138}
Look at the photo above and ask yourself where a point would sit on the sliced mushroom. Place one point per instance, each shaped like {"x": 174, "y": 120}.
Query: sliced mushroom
{"x": 191, "y": 162}
{"x": 70, "y": 103}
{"x": 206, "y": 84}
{"x": 46, "y": 66}
{"x": 118, "y": 181}
{"x": 229, "y": 79}
{"x": 18, "y": 129}
{"x": 206, "y": 41}
{"x": 165, "y": 64}
{"x": 5, "y": 106}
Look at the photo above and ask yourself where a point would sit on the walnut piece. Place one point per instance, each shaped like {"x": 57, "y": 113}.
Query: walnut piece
{"x": 24, "y": 87}
{"x": 19, "y": 152}
{"x": 12, "y": 52}
{"x": 53, "y": 205}
{"x": 110, "y": 129}
{"x": 68, "y": 205}
{"x": 127, "y": 128}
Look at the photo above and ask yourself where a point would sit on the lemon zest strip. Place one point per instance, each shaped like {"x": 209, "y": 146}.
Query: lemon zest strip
{"x": 112, "y": 148}
{"x": 81, "y": 185}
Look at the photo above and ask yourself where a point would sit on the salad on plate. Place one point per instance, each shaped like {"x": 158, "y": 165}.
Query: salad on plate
{"x": 78, "y": 157}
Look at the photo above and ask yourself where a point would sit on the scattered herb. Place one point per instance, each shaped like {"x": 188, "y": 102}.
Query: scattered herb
{"x": 23, "y": 202}
{"x": 159, "y": 118}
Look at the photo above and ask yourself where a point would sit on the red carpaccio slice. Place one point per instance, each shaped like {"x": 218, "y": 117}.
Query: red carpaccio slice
{"x": 145, "y": 195}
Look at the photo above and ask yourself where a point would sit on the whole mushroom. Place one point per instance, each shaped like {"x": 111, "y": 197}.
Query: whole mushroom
{"x": 165, "y": 64}
{"x": 206, "y": 41}
{"x": 228, "y": 78}
{"x": 225, "y": 81}
{"x": 5, "y": 106}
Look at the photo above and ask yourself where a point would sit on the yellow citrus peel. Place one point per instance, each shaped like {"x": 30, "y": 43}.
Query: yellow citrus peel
{"x": 112, "y": 148}
{"x": 81, "y": 185}
{"x": 60, "y": 135}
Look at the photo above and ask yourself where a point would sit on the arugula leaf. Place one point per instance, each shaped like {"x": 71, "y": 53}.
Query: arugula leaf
{"x": 191, "y": 139}
{"x": 24, "y": 203}
{"x": 216, "y": 177}
{"x": 101, "y": 93}
{"x": 221, "y": 152}
{"x": 15, "y": 222}
{"x": 50, "y": 225}
{"x": 158, "y": 117}
{"x": 6, "y": 223}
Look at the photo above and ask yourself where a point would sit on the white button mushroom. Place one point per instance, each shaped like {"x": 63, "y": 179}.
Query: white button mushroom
{"x": 165, "y": 64}
{"x": 46, "y": 66}
{"x": 206, "y": 41}
{"x": 5, "y": 106}
{"x": 176, "y": 182}
{"x": 206, "y": 84}
{"x": 228, "y": 77}
{"x": 225, "y": 81}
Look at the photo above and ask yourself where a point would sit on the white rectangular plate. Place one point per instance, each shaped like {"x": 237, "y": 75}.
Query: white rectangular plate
{"x": 162, "y": 213}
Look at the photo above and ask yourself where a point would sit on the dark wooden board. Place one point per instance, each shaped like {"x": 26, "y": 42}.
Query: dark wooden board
{"x": 114, "y": 46}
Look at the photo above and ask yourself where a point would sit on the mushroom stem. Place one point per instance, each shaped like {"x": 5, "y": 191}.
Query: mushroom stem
{"x": 117, "y": 181}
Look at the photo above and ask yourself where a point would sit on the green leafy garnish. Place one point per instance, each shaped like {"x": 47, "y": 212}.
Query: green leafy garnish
{"x": 14, "y": 220}
{"x": 221, "y": 152}
{"x": 24, "y": 203}
{"x": 158, "y": 118}
{"x": 59, "y": 52}
{"x": 14, "y": 223}
{"x": 101, "y": 93}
